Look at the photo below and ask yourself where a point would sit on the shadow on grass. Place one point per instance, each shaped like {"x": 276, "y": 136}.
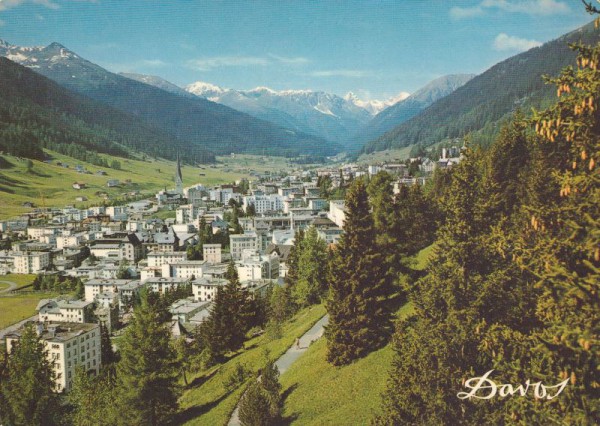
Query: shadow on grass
{"x": 198, "y": 410}
{"x": 288, "y": 420}
{"x": 199, "y": 381}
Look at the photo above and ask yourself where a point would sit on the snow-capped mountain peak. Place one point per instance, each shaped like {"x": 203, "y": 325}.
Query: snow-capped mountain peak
{"x": 205, "y": 90}
{"x": 375, "y": 106}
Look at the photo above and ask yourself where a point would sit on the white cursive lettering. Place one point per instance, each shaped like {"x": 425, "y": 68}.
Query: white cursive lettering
{"x": 485, "y": 388}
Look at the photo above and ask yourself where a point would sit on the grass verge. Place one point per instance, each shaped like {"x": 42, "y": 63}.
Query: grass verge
{"x": 207, "y": 402}
{"x": 317, "y": 393}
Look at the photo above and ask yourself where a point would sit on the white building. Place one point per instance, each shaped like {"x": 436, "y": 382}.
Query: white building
{"x": 258, "y": 267}
{"x": 337, "y": 212}
{"x": 30, "y": 262}
{"x": 264, "y": 203}
{"x": 96, "y": 286}
{"x": 159, "y": 258}
{"x": 240, "y": 242}
{"x": 184, "y": 269}
{"x": 68, "y": 346}
{"x": 205, "y": 289}
{"x": 212, "y": 253}
{"x": 78, "y": 311}
{"x": 163, "y": 284}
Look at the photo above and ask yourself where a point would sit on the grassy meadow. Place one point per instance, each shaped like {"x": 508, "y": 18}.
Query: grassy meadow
{"x": 50, "y": 185}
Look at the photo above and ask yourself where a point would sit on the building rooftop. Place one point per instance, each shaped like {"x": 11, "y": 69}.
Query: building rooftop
{"x": 57, "y": 331}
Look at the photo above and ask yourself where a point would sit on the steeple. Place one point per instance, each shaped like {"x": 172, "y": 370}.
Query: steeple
{"x": 178, "y": 177}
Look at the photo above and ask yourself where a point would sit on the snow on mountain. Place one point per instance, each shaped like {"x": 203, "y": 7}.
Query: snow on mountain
{"x": 375, "y": 106}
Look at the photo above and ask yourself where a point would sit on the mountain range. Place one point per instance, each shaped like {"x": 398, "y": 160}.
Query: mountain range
{"x": 322, "y": 114}
{"x": 189, "y": 120}
{"x": 482, "y": 104}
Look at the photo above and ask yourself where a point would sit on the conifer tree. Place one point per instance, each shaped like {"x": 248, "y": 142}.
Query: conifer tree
{"x": 147, "y": 372}
{"x": 261, "y": 404}
{"x": 292, "y": 262}
{"x": 358, "y": 319}
{"x": 312, "y": 267}
{"x": 93, "y": 400}
{"x": 28, "y": 385}
{"x": 561, "y": 247}
{"x": 226, "y": 327}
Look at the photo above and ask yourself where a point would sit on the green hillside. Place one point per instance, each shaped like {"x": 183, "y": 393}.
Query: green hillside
{"x": 36, "y": 113}
{"x": 51, "y": 184}
{"x": 488, "y": 99}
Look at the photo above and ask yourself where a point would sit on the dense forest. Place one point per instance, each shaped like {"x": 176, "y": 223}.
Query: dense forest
{"x": 36, "y": 113}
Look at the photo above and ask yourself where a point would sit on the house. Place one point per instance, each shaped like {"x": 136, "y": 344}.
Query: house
{"x": 257, "y": 267}
{"x": 68, "y": 346}
{"x": 57, "y": 310}
{"x": 164, "y": 284}
{"x": 184, "y": 310}
{"x": 78, "y": 185}
{"x": 240, "y": 242}
{"x": 205, "y": 289}
{"x": 211, "y": 253}
{"x": 111, "y": 183}
{"x": 94, "y": 287}
{"x": 31, "y": 262}
{"x": 283, "y": 252}
{"x": 157, "y": 259}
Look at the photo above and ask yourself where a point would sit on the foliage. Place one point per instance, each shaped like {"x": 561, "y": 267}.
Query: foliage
{"x": 147, "y": 372}
{"x": 28, "y": 383}
{"x": 261, "y": 403}
{"x": 358, "y": 319}
{"x": 93, "y": 400}
{"x": 311, "y": 273}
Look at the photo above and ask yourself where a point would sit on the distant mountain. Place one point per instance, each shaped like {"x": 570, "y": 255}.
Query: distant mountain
{"x": 189, "y": 120}
{"x": 409, "y": 107}
{"x": 375, "y": 106}
{"x": 159, "y": 82}
{"x": 37, "y": 113}
{"x": 481, "y": 104}
{"x": 318, "y": 113}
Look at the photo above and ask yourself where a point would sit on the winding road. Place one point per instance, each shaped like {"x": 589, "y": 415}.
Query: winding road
{"x": 11, "y": 286}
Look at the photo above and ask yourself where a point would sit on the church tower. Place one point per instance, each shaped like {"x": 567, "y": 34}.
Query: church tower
{"x": 178, "y": 177}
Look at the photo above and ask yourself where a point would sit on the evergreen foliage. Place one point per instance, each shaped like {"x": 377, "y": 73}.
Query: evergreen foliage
{"x": 226, "y": 327}
{"x": 358, "y": 319}
{"x": 261, "y": 404}
{"x": 311, "y": 269}
{"x": 513, "y": 283}
{"x": 28, "y": 383}
{"x": 147, "y": 373}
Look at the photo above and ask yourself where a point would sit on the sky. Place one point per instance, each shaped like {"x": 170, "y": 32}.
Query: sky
{"x": 375, "y": 49}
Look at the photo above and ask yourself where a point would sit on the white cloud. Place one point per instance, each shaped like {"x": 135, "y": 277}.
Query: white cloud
{"x": 207, "y": 64}
{"x": 9, "y": 4}
{"x": 341, "y": 73}
{"x": 154, "y": 63}
{"x": 298, "y": 60}
{"x": 530, "y": 7}
{"x": 465, "y": 12}
{"x": 505, "y": 42}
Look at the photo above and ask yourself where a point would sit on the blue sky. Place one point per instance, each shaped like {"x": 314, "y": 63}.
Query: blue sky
{"x": 373, "y": 48}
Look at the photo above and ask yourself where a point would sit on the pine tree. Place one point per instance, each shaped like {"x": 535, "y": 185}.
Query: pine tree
{"x": 358, "y": 319}
{"x": 312, "y": 267}
{"x": 292, "y": 262}
{"x": 261, "y": 404}
{"x": 561, "y": 247}
{"x": 27, "y": 389}
{"x": 226, "y": 327}
{"x": 146, "y": 372}
{"x": 93, "y": 400}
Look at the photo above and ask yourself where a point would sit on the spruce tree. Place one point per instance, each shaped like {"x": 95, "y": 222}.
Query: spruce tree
{"x": 28, "y": 385}
{"x": 93, "y": 400}
{"x": 261, "y": 404}
{"x": 358, "y": 319}
{"x": 226, "y": 327}
{"x": 312, "y": 267}
{"x": 561, "y": 247}
{"x": 147, "y": 372}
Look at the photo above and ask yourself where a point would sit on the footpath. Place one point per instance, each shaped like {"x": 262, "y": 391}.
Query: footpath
{"x": 287, "y": 359}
